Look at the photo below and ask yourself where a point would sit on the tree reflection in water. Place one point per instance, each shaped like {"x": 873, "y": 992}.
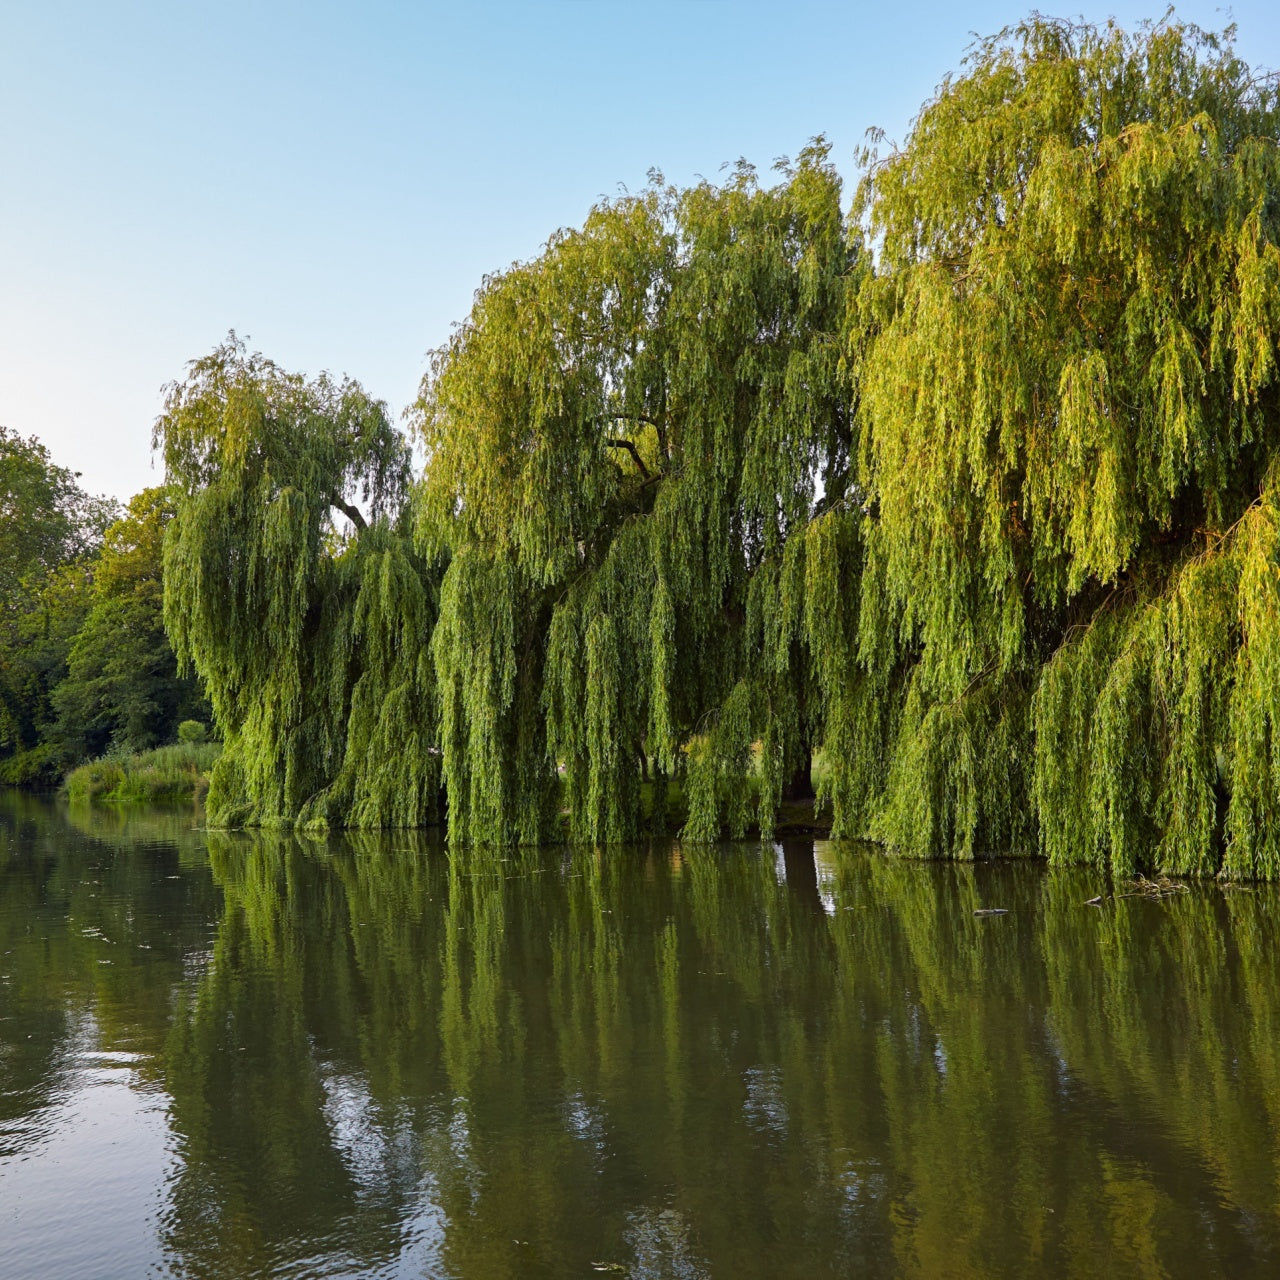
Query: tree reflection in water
{"x": 722, "y": 1061}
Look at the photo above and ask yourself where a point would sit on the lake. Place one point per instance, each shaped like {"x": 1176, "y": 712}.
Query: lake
{"x": 262, "y": 1054}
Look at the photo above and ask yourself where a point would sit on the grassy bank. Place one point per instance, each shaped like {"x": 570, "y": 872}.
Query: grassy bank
{"x": 180, "y": 772}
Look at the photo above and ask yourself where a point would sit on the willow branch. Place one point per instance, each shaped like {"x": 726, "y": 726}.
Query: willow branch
{"x": 635, "y": 417}
{"x": 352, "y": 513}
{"x": 627, "y": 416}
{"x": 614, "y": 443}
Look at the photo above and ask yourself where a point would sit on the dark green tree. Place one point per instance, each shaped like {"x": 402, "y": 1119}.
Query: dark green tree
{"x": 49, "y": 530}
{"x": 122, "y": 687}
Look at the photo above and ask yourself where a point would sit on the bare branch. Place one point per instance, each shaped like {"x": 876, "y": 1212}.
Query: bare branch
{"x": 615, "y": 443}
{"x": 352, "y": 513}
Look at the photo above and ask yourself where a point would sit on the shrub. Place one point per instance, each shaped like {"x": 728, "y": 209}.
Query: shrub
{"x": 178, "y": 772}
{"x": 41, "y": 766}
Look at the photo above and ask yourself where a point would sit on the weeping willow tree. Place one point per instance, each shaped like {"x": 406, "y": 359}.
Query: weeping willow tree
{"x": 627, "y": 442}
{"x": 1068, "y": 429}
{"x": 992, "y": 524}
{"x": 975, "y": 490}
{"x": 293, "y": 590}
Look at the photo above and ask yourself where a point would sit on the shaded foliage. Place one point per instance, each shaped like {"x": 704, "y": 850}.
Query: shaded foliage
{"x": 122, "y": 689}
{"x": 49, "y": 531}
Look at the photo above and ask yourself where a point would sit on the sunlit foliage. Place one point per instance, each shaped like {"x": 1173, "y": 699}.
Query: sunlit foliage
{"x": 971, "y": 489}
{"x": 623, "y": 441}
{"x": 1068, "y": 404}
{"x": 310, "y": 636}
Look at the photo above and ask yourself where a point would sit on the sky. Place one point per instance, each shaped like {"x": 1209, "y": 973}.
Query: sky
{"x": 332, "y": 181}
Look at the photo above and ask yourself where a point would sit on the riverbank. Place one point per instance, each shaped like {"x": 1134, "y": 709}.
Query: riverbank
{"x": 179, "y": 772}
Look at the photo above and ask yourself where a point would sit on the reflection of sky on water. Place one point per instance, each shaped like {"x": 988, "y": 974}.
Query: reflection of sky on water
{"x": 661, "y": 1247}
{"x": 765, "y": 1107}
{"x": 83, "y": 1191}
{"x": 824, "y": 863}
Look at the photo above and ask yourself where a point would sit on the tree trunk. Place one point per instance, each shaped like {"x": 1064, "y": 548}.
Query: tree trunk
{"x": 801, "y": 785}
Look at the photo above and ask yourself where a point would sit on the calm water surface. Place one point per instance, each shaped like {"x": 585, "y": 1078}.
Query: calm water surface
{"x": 265, "y": 1055}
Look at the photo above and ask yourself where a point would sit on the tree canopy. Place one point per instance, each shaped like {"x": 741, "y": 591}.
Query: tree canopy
{"x": 122, "y": 689}
{"x": 49, "y": 530}
{"x": 1068, "y": 429}
{"x": 623, "y": 439}
{"x": 971, "y": 490}
{"x": 306, "y": 616}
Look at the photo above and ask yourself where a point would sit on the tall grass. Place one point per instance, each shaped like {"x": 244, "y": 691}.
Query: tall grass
{"x": 180, "y": 772}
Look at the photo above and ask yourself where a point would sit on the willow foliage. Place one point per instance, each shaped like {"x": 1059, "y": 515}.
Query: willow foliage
{"x": 969, "y": 521}
{"x": 973, "y": 490}
{"x": 311, "y": 641}
{"x": 624, "y": 440}
{"x": 1068, "y": 403}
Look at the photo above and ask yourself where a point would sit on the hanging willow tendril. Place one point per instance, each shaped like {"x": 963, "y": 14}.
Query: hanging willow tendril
{"x": 625, "y": 439}
{"x": 311, "y": 640}
{"x": 1068, "y": 394}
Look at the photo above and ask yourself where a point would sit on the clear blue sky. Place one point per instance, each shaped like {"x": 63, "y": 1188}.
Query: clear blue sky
{"x": 333, "y": 180}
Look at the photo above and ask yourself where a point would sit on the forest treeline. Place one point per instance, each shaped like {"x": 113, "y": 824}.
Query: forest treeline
{"x": 968, "y": 484}
{"x": 85, "y": 666}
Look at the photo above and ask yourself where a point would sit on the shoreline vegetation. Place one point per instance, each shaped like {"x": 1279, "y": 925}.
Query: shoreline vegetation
{"x": 181, "y": 772}
{"x": 966, "y": 482}
{"x": 163, "y": 774}
{"x": 86, "y": 669}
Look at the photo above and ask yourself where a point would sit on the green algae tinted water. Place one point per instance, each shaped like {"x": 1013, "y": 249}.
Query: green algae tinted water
{"x": 262, "y": 1055}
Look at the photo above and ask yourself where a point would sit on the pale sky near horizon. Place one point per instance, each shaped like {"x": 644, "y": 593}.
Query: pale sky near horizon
{"x": 332, "y": 180}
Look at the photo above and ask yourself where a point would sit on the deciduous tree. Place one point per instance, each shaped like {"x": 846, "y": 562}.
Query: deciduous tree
{"x": 1069, "y": 430}
{"x": 622, "y": 442}
{"x": 292, "y": 589}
